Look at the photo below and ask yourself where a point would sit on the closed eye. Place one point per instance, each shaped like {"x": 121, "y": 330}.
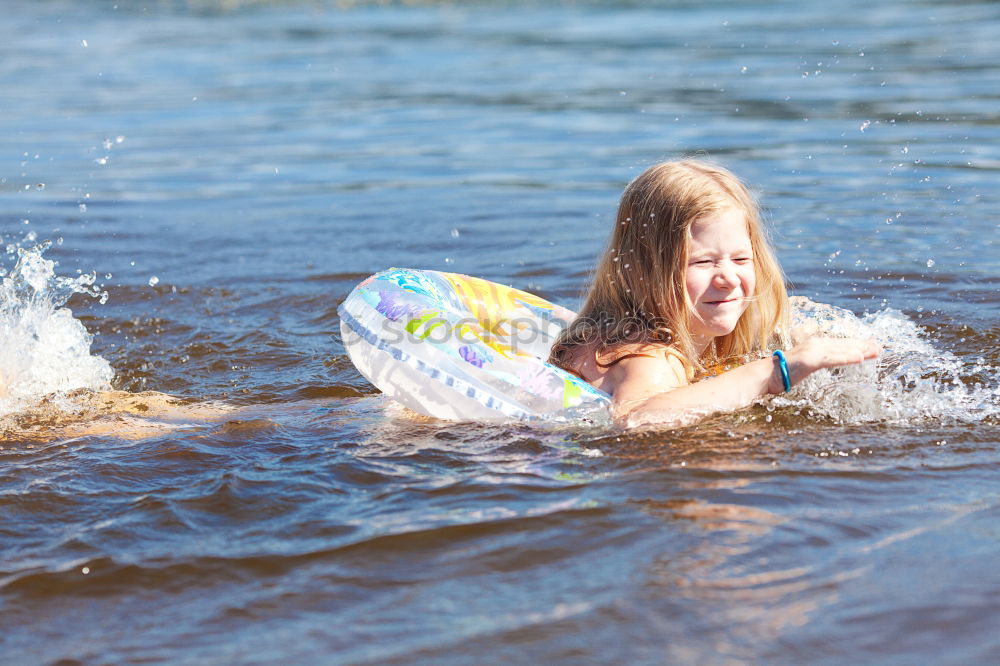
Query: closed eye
{"x": 743, "y": 260}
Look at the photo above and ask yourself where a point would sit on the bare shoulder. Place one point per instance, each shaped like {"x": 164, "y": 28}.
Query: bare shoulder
{"x": 653, "y": 369}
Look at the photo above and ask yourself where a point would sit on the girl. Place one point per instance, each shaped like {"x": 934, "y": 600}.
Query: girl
{"x": 688, "y": 303}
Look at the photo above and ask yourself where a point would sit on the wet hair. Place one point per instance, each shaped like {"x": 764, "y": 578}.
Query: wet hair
{"x": 638, "y": 297}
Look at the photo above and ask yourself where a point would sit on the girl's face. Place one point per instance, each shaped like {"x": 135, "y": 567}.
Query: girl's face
{"x": 720, "y": 277}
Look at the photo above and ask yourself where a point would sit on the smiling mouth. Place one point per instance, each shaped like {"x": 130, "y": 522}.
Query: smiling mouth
{"x": 728, "y": 300}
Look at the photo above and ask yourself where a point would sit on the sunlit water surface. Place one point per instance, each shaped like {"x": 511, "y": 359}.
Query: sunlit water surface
{"x": 214, "y": 178}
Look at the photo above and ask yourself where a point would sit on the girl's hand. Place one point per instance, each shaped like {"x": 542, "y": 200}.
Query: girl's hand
{"x": 817, "y": 353}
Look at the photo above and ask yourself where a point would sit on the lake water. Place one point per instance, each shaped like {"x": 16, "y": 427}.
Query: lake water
{"x": 227, "y": 171}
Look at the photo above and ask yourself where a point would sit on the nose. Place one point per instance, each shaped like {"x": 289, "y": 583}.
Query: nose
{"x": 726, "y": 276}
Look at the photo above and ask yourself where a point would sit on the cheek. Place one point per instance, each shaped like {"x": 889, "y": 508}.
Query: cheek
{"x": 692, "y": 285}
{"x": 750, "y": 281}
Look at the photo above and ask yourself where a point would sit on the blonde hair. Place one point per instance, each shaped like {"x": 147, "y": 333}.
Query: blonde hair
{"x": 638, "y": 294}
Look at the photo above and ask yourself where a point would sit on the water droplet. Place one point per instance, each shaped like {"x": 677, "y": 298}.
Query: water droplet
{"x": 930, "y": 263}
{"x": 85, "y": 570}
{"x": 455, "y": 233}
{"x": 83, "y": 208}
{"x": 743, "y": 69}
{"x": 83, "y": 43}
{"x": 865, "y": 125}
{"x": 40, "y": 186}
{"x": 153, "y": 281}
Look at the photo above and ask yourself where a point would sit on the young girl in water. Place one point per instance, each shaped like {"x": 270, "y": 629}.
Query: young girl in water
{"x": 688, "y": 314}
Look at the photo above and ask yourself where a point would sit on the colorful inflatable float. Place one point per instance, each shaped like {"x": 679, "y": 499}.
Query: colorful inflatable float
{"x": 462, "y": 348}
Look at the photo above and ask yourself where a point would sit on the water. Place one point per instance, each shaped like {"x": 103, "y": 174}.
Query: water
{"x": 228, "y": 171}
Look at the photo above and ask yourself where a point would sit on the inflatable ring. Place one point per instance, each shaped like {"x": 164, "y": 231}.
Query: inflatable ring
{"x": 462, "y": 348}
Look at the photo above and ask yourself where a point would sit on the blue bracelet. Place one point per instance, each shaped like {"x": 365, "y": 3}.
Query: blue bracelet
{"x": 783, "y": 364}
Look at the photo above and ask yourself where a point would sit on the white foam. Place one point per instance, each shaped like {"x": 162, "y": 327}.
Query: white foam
{"x": 43, "y": 348}
{"x": 911, "y": 381}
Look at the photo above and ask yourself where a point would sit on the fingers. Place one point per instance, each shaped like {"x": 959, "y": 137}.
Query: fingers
{"x": 831, "y": 352}
{"x": 869, "y": 350}
{"x": 861, "y": 350}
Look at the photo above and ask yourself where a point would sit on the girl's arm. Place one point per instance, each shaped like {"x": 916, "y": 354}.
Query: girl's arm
{"x": 650, "y": 390}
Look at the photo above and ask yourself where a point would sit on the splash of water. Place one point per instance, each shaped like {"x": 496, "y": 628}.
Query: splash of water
{"x": 43, "y": 348}
{"x": 911, "y": 381}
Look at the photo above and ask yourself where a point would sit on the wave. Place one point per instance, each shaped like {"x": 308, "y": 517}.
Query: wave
{"x": 43, "y": 348}
{"x": 912, "y": 380}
